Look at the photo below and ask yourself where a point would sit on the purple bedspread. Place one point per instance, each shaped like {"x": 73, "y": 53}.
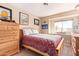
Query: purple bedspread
{"x": 41, "y": 44}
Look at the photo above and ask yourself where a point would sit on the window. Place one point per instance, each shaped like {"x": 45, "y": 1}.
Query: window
{"x": 63, "y": 26}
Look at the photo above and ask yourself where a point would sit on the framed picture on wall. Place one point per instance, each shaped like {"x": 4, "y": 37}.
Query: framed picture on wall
{"x": 23, "y": 18}
{"x": 5, "y": 13}
{"x": 44, "y": 26}
{"x": 36, "y": 21}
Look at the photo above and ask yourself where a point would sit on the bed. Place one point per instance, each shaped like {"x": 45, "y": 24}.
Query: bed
{"x": 44, "y": 44}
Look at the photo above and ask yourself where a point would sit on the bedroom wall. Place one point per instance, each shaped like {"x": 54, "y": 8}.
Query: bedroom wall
{"x": 73, "y": 14}
{"x": 45, "y": 31}
{"x": 15, "y": 13}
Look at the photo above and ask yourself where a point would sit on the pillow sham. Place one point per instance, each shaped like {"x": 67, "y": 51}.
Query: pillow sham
{"x": 35, "y": 31}
{"x": 27, "y": 31}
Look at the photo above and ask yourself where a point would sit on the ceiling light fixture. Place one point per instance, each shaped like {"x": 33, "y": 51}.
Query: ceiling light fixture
{"x": 45, "y": 4}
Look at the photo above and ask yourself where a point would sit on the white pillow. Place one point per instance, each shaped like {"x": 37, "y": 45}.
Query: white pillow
{"x": 27, "y": 31}
{"x": 35, "y": 31}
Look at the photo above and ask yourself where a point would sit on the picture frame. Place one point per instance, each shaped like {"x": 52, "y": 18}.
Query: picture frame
{"x": 44, "y": 26}
{"x": 23, "y": 18}
{"x": 36, "y": 21}
{"x": 5, "y": 14}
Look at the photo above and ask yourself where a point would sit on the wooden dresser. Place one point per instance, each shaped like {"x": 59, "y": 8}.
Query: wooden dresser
{"x": 9, "y": 38}
{"x": 75, "y": 44}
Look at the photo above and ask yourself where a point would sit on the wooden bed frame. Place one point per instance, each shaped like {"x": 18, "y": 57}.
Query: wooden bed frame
{"x": 58, "y": 49}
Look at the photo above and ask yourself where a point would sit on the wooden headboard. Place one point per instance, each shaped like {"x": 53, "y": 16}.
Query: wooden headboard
{"x": 21, "y": 34}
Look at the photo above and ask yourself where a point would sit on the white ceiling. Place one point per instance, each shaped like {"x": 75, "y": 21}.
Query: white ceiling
{"x": 40, "y": 10}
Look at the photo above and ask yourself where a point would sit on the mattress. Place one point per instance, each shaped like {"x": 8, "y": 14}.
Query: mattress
{"x": 55, "y": 38}
{"x": 43, "y": 42}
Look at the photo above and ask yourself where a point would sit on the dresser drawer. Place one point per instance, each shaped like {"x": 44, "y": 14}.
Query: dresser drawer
{"x": 2, "y": 53}
{"x": 12, "y": 27}
{"x": 9, "y": 46}
{"x": 9, "y": 52}
{"x": 3, "y": 28}
{"x": 12, "y": 52}
{"x": 8, "y": 39}
{"x": 11, "y": 32}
